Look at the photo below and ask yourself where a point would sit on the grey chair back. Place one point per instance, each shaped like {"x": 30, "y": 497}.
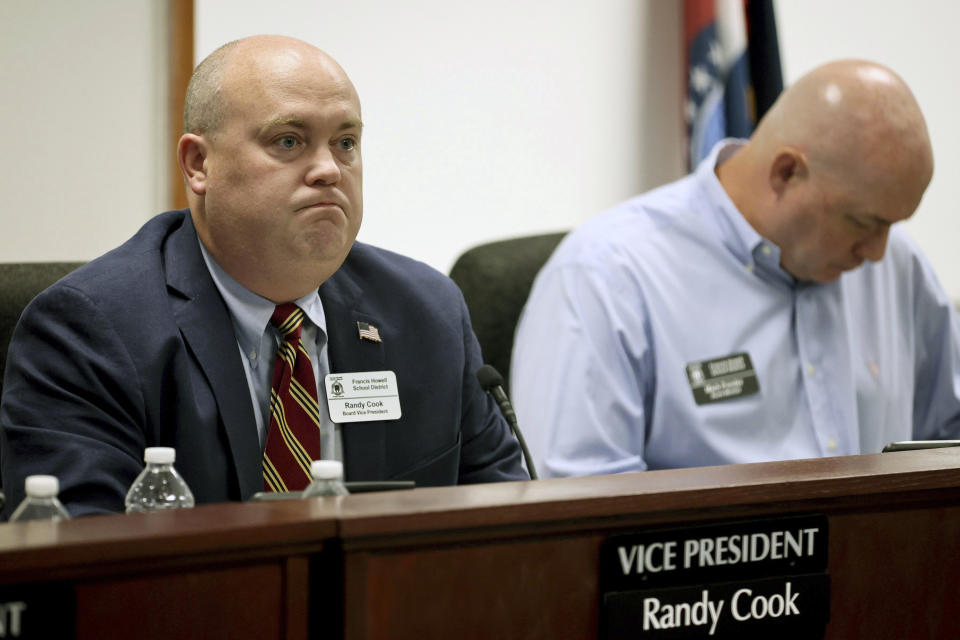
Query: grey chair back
{"x": 495, "y": 279}
{"x": 20, "y": 282}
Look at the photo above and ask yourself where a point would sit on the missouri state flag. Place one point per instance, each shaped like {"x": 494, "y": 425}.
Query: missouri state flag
{"x": 733, "y": 70}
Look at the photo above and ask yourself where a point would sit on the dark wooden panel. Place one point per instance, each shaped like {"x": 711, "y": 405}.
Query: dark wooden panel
{"x": 895, "y": 574}
{"x": 532, "y": 589}
{"x": 296, "y": 598}
{"x": 238, "y": 602}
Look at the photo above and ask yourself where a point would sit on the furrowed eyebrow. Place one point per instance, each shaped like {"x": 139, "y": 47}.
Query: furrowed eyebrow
{"x": 298, "y": 123}
{"x": 350, "y": 124}
{"x": 283, "y": 121}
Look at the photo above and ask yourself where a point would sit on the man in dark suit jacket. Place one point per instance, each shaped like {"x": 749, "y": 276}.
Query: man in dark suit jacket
{"x": 138, "y": 347}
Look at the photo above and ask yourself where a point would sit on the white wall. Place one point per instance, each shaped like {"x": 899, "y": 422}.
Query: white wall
{"x": 81, "y": 123}
{"x": 918, "y": 40}
{"x": 494, "y": 118}
{"x": 483, "y": 119}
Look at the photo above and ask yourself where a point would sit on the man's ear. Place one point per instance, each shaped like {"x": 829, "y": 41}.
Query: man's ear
{"x": 788, "y": 166}
{"x": 192, "y": 156}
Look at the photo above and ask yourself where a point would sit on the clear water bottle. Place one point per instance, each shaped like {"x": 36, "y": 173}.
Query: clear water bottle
{"x": 41, "y": 502}
{"x": 159, "y": 486}
{"x": 327, "y": 479}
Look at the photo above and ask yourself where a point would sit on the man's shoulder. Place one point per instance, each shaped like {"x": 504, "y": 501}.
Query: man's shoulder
{"x": 386, "y": 284}
{"x": 126, "y": 269}
{"x": 647, "y": 226}
{"x": 384, "y": 269}
{"x": 149, "y": 238}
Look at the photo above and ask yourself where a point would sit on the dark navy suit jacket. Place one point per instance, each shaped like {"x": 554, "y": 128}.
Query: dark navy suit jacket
{"x": 137, "y": 349}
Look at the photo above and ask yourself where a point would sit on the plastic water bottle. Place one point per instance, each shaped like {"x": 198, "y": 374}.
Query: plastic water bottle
{"x": 41, "y": 502}
{"x": 327, "y": 479}
{"x": 159, "y": 486}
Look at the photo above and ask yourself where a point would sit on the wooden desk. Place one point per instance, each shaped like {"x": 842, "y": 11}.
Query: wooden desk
{"x": 521, "y": 559}
{"x": 511, "y": 560}
{"x": 217, "y": 571}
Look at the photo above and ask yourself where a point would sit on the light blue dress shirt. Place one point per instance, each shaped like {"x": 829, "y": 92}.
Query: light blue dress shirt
{"x": 677, "y": 276}
{"x": 258, "y": 342}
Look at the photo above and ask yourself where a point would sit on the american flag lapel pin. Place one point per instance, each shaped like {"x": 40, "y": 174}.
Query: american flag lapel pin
{"x": 368, "y": 332}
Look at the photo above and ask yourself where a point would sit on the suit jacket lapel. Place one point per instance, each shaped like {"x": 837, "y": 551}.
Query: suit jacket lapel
{"x": 364, "y": 443}
{"x": 207, "y": 329}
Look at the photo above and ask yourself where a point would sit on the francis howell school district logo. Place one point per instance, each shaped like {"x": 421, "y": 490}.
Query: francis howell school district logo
{"x": 696, "y": 373}
{"x": 337, "y": 388}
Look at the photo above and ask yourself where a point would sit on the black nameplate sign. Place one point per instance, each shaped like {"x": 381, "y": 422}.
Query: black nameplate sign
{"x": 724, "y": 552}
{"x": 789, "y": 607}
{"x": 37, "y": 611}
{"x": 742, "y": 579}
{"x": 723, "y": 378}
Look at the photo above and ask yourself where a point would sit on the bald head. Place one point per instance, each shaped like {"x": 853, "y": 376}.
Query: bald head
{"x": 208, "y": 93}
{"x": 841, "y": 156}
{"x": 202, "y": 109}
{"x": 851, "y": 115}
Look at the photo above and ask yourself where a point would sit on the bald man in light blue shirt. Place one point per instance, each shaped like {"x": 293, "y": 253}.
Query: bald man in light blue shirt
{"x": 743, "y": 313}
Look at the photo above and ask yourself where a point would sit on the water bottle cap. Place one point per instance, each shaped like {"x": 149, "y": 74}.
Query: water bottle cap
{"x": 326, "y": 469}
{"x": 42, "y": 486}
{"x": 159, "y": 455}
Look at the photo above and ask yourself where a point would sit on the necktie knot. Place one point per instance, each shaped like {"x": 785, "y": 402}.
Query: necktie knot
{"x": 287, "y": 318}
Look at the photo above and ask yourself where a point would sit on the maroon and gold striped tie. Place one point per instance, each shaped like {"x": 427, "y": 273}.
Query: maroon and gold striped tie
{"x": 293, "y": 440}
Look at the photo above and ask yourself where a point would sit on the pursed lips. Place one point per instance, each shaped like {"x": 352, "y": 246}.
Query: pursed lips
{"x": 324, "y": 204}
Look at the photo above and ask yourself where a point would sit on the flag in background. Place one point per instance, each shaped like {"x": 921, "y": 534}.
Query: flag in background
{"x": 733, "y": 70}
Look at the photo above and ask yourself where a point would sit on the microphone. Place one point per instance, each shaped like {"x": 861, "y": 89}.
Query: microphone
{"x": 492, "y": 382}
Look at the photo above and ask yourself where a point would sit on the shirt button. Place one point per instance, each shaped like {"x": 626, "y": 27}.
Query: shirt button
{"x": 831, "y": 444}
{"x": 253, "y": 355}
{"x": 810, "y": 369}
{"x": 766, "y": 250}
{"x": 749, "y": 267}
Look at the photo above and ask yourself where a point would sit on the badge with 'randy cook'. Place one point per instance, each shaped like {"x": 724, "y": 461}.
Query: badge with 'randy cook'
{"x": 363, "y": 396}
{"x": 722, "y": 378}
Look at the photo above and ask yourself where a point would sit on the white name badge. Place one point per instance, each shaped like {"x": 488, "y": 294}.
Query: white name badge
{"x": 363, "y": 396}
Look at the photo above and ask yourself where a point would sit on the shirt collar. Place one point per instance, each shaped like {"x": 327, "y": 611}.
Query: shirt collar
{"x": 752, "y": 250}
{"x": 251, "y": 312}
